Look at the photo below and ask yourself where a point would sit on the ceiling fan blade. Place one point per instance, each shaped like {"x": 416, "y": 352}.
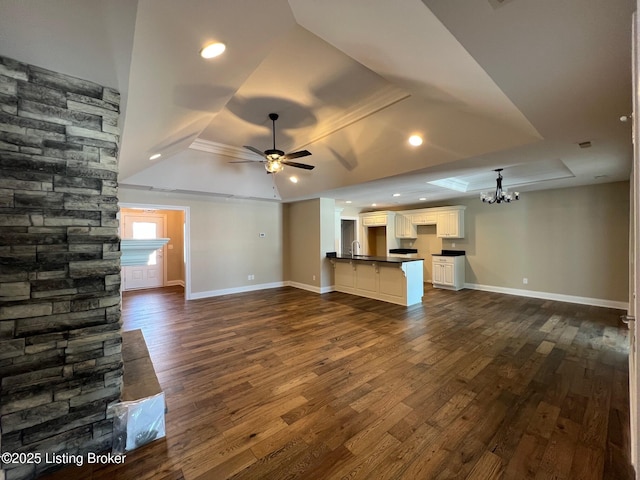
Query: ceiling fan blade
{"x": 301, "y": 153}
{"x": 297, "y": 165}
{"x": 255, "y": 150}
{"x": 247, "y": 161}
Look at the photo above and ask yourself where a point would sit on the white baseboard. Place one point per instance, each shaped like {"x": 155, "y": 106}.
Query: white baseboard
{"x": 262, "y": 286}
{"x": 596, "y": 302}
{"x": 174, "y": 283}
{"x": 310, "y": 288}
{"x": 229, "y": 291}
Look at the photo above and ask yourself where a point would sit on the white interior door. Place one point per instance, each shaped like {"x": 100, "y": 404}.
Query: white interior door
{"x": 147, "y": 226}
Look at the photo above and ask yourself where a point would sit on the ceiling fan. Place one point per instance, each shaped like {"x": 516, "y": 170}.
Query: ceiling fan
{"x": 274, "y": 159}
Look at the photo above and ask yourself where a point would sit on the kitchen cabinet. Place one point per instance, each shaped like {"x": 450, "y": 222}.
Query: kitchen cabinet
{"x": 378, "y": 232}
{"x": 449, "y": 221}
{"x": 394, "y": 282}
{"x": 374, "y": 219}
{"x": 450, "y": 224}
{"x": 423, "y": 218}
{"x": 405, "y": 227}
{"x": 448, "y": 272}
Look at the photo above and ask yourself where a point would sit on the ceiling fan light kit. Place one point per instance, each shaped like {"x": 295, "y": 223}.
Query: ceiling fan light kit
{"x": 274, "y": 166}
{"x": 274, "y": 159}
{"x": 501, "y": 195}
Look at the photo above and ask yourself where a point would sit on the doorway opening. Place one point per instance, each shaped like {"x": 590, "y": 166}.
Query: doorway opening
{"x": 145, "y": 225}
{"x": 348, "y": 234}
{"x": 167, "y": 266}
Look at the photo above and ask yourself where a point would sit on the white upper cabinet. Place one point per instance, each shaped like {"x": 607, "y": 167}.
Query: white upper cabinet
{"x": 405, "y": 228}
{"x": 450, "y": 223}
{"x": 424, "y": 217}
{"x": 374, "y": 219}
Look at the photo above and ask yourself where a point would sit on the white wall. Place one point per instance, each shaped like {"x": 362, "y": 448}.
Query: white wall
{"x": 327, "y": 239}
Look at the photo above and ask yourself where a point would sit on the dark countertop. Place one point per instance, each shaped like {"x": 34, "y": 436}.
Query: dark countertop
{"x": 371, "y": 258}
{"x": 449, "y": 253}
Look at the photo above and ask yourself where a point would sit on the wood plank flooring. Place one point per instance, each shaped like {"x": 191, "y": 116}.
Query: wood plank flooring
{"x": 284, "y": 384}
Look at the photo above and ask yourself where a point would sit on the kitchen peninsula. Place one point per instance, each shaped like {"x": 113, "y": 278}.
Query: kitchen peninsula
{"x": 390, "y": 279}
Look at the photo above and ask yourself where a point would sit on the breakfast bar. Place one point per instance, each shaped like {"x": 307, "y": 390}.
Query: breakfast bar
{"x": 396, "y": 280}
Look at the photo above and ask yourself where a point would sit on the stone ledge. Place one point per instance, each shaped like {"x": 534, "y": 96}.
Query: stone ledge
{"x": 140, "y": 380}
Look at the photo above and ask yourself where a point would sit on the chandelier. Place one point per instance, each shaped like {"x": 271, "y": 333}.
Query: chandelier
{"x": 501, "y": 195}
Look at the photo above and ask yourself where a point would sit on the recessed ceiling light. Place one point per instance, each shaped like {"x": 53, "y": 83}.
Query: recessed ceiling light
{"x": 293, "y": 179}
{"x": 415, "y": 140}
{"x": 422, "y": 199}
{"x": 396, "y": 194}
{"x": 348, "y": 201}
{"x": 155, "y": 156}
{"x": 373, "y": 205}
{"x": 213, "y": 50}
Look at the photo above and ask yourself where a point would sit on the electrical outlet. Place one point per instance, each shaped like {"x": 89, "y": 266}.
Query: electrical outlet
{"x": 251, "y": 277}
{"x": 525, "y": 280}
{"x": 453, "y": 244}
{"x": 314, "y": 277}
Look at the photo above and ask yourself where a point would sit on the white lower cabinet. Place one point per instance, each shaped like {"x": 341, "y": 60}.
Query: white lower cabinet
{"x": 448, "y": 272}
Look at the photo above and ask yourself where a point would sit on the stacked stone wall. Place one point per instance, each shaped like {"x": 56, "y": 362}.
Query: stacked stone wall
{"x": 60, "y": 330}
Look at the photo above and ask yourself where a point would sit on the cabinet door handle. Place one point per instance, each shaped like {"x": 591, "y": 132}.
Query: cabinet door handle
{"x": 627, "y": 318}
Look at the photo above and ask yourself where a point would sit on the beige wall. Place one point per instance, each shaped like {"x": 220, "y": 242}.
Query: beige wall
{"x": 303, "y": 242}
{"x": 310, "y": 234}
{"x": 571, "y": 241}
{"x": 225, "y": 242}
{"x": 175, "y": 247}
{"x": 427, "y": 244}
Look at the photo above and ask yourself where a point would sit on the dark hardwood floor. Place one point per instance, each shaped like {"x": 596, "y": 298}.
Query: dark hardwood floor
{"x": 284, "y": 383}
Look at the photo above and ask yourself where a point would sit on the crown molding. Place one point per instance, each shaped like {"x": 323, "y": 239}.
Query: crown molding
{"x": 379, "y": 100}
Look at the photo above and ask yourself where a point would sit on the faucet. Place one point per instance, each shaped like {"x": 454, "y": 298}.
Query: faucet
{"x": 357, "y": 243}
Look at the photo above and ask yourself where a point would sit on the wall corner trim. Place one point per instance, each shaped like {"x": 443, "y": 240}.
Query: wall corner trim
{"x": 310, "y": 288}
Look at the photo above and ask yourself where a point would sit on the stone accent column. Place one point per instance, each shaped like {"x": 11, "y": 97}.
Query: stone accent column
{"x": 60, "y": 330}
